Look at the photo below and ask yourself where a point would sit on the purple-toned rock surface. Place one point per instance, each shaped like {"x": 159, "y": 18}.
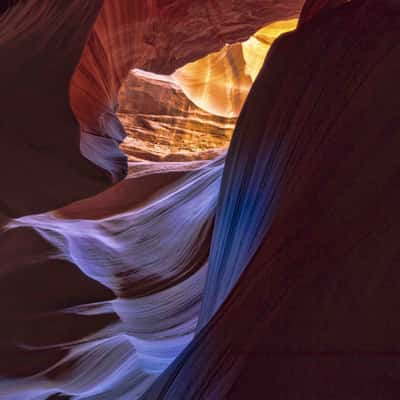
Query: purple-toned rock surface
{"x": 267, "y": 271}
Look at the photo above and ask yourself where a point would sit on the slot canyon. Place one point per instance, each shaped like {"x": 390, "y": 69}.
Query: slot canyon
{"x": 199, "y": 199}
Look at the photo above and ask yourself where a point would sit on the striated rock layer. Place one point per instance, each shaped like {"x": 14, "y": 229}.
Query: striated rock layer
{"x": 47, "y": 39}
{"x": 191, "y": 113}
{"x": 303, "y": 280}
{"x": 274, "y": 276}
{"x": 109, "y": 283}
{"x": 161, "y": 123}
{"x": 110, "y": 286}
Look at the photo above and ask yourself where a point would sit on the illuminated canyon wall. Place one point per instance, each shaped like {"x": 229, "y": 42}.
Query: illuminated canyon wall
{"x": 195, "y": 206}
{"x": 191, "y": 114}
{"x": 163, "y": 124}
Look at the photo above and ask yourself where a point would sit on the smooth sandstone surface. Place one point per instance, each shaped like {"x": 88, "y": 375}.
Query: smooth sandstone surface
{"x": 165, "y": 267}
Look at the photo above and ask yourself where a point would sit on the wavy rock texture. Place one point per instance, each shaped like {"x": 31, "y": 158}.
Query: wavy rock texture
{"x": 162, "y": 124}
{"x": 307, "y": 225}
{"x": 123, "y": 284}
{"x": 219, "y": 83}
{"x": 110, "y": 283}
{"x": 35, "y": 77}
{"x": 191, "y": 113}
{"x": 272, "y": 277}
{"x": 53, "y": 36}
{"x": 188, "y": 114}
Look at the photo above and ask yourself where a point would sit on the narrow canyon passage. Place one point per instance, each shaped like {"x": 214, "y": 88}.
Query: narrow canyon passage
{"x": 200, "y": 200}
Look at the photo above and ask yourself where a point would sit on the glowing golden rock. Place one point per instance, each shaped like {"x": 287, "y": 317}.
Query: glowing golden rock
{"x": 219, "y": 82}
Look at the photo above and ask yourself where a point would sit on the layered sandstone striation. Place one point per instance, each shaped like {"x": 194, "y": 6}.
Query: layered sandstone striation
{"x": 272, "y": 273}
{"x": 161, "y": 123}
{"x": 191, "y": 114}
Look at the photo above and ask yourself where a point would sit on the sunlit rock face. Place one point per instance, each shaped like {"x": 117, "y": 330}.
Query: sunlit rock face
{"x": 157, "y": 37}
{"x": 303, "y": 272}
{"x": 106, "y": 39}
{"x": 184, "y": 38}
{"x": 220, "y": 82}
{"x": 161, "y": 123}
{"x": 101, "y": 288}
{"x": 191, "y": 113}
{"x": 267, "y": 272}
